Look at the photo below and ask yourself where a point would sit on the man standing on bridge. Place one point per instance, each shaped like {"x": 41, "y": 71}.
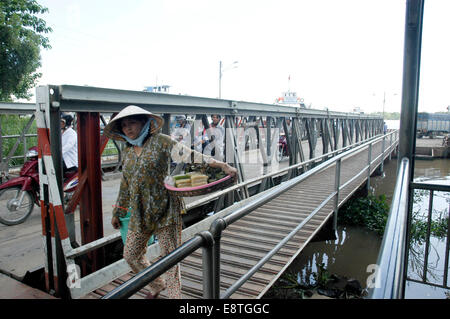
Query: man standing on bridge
{"x": 216, "y": 134}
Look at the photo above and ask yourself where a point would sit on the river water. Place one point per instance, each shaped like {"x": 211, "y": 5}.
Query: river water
{"x": 356, "y": 248}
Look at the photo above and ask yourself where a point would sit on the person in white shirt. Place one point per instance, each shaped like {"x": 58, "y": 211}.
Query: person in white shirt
{"x": 182, "y": 130}
{"x": 69, "y": 143}
{"x": 200, "y": 139}
{"x": 216, "y": 134}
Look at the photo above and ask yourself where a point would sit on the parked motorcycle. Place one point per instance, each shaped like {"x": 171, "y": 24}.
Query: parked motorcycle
{"x": 19, "y": 194}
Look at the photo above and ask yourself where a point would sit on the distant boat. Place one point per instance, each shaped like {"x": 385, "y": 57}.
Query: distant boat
{"x": 290, "y": 98}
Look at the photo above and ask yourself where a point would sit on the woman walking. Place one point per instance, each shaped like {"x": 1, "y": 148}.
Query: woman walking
{"x": 145, "y": 165}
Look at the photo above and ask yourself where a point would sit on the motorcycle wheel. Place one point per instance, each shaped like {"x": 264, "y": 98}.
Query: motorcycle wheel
{"x": 10, "y": 213}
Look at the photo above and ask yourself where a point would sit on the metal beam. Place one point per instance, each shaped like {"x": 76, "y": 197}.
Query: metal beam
{"x": 411, "y": 73}
{"x": 17, "y": 108}
{"x": 84, "y": 98}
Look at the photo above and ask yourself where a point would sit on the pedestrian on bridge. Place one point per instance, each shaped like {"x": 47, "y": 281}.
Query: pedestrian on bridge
{"x": 182, "y": 131}
{"x": 216, "y": 135}
{"x": 146, "y": 160}
{"x": 69, "y": 143}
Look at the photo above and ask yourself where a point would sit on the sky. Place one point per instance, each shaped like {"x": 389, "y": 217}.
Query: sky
{"x": 335, "y": 54}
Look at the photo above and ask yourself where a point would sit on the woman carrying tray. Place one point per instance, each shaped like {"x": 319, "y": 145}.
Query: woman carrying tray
{"x": 153, "y": 211}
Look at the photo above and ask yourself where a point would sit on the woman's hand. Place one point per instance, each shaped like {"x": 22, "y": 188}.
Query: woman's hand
{"x": 230, "y": 170}
{"x": 115, "y": 222}
{"x": 227, "y": 169}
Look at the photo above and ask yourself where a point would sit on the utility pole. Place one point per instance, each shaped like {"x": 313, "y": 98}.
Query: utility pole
{"x": 220, "y": 79}
{"x": 221, "y": 70}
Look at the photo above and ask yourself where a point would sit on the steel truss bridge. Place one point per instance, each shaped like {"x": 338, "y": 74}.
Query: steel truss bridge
{"x": 334, "y": 134}
{"x": 261, "y": 223}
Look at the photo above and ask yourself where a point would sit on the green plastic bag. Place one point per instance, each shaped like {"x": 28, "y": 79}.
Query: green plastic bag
{"x": 124, "y": 229}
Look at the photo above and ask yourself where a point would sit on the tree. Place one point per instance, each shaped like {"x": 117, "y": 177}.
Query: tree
{"x": 21, "y": 38}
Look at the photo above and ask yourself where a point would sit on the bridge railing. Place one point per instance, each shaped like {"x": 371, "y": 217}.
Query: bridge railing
{"x": 432, "y": 189}
{"x": 390, "y": 274}
{"x": 209, "y": 240}
{"x": 220, "y": 224}
{"x": 392, "y": 263}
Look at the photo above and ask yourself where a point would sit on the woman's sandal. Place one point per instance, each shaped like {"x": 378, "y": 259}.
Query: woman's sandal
{"x": 152, "y": 296}
{"x": 162, "y": 286}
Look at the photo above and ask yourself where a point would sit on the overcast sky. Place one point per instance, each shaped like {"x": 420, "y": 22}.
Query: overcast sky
{"x": 338, "y": 54}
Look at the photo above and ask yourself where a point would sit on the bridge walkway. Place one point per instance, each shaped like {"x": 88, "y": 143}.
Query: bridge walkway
{"x": 247, "y": 240}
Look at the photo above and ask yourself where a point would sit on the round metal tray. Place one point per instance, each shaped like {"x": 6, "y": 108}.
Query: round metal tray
{"x": 201, "y": 190}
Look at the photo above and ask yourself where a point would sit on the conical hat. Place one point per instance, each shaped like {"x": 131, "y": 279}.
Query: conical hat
{"x": 113, "y": 131}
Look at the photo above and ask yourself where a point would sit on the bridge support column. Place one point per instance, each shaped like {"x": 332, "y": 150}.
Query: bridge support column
{"x": 380, "y": 169}
{"x": 91, "y": 215}
{"x": 327, "y": 232}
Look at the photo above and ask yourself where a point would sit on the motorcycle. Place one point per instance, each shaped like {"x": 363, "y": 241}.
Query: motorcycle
{"x": 282, "y": 147}
{"x": 19, "y": 194}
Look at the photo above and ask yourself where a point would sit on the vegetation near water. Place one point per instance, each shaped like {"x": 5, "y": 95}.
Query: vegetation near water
{"x": 371, "y": 212}
{"x": 388, "y": 116}
{"x": 419, "y": 226}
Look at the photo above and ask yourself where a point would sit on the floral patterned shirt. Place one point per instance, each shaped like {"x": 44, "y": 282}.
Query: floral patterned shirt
{"x": 142, "y": 188}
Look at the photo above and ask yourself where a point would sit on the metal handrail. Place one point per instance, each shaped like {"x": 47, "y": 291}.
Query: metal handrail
{"x": 139, "y": 281}
{"x": 210, "y": 240}
{"x": 280, "y": 245}
{"x": 222, "y": 223}
{"x": 81, "y": 250}
{"x": 390, "y": 274}
{"x": 202, "y": 201}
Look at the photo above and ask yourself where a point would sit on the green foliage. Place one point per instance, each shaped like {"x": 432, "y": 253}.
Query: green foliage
{"x": 371, "y": 212}
{"x": 419, "y": 221}
{"x": 392, "y": 116}
{"x": 322, "y": 275}
{"x": 419, "y": 229}
{"x": 388, "y": 116}
{"x": 14, "y": 125}
{"x": 20, "y": 41}
{"x": 110, "y": 149}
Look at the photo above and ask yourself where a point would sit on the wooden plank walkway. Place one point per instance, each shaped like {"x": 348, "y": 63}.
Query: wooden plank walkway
{"x": 249, "y": 239}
